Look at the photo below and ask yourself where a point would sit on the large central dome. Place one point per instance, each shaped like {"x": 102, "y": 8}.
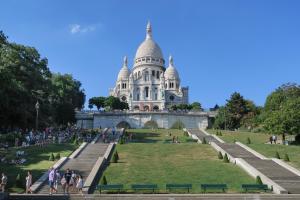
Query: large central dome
{"x": 149, "y": 51}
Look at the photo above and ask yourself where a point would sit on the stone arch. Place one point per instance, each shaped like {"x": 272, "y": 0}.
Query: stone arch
{"x": 123, "y": 124}
{"x": 156, "y": 108}
{"x": 146, "y": 108}
{"x": 178, "y": 125}
{"x": 136, "y": 108}
{"x": 151, "y": 124}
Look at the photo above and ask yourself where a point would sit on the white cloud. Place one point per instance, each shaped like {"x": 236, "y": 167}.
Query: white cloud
{"x": 76, "y": 28}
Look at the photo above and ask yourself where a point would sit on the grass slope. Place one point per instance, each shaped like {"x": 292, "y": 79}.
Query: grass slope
{"x": 258, "y": 143}
{"x": 37, "y": 162}
{"x": 152, "y": 158}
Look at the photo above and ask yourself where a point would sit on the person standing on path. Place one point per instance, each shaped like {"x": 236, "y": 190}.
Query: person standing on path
{"x": 28, "y": 182}
{"x": 68, "y": 177}
{"x": 51, "y": 178}
{"x": 3, "y": 182}
{"x": 79, "y": 184}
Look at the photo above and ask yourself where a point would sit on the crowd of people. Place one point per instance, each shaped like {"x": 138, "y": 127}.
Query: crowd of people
{"x": 69, "y": 181}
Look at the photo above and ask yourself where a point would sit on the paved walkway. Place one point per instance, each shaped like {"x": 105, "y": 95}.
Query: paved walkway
{"x": 82, "y": 164}
{"x": 274, "y": 171}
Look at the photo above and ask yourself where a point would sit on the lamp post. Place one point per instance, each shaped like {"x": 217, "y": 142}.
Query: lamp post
{"x": 37, "y": 107}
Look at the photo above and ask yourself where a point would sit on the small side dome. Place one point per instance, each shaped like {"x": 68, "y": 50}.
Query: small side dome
{"x": 171, "y": 72}
{"x": 124, "y": 72}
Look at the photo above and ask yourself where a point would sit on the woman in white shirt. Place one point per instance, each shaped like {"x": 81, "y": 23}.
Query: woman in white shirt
{"x": 28, "y": 182}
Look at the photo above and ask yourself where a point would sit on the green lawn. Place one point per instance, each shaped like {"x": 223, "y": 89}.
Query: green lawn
{"x": 152, "y": 158}
{"x": 37, "y": 162}
{"x": 258, "y": 143}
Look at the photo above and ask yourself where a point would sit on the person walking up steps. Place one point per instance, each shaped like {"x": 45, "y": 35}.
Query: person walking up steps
{"x": 68, "y": 177}
{"x": 28, "y": 182}
{"x": 3, "y": 182}
{"x": 51, "y": 178}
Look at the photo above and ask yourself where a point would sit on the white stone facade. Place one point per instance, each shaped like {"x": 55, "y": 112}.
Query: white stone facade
{"x": 149, "y": 85}
{"x": 166, "y": 120}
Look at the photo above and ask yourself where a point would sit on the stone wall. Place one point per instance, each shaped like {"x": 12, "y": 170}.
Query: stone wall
{"x": 138, "y": 119}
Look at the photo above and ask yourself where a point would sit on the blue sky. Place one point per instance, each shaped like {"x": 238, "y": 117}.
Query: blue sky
{"x": 248, "y": 46}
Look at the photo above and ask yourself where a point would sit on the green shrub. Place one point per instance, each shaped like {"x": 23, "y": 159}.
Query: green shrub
{"x": 75, "y": 141}
{"x": 103, "y": 181}
{"x": 122, "y": 140}
{"x": 220, "y": 133}
{"x": 248, "y": 141}
{"x": 286, "y": 157}
{"x": 277, "y": 155}
{"x": 115, "y": 157}
{"x": 234, "y": 140}
{"x": 51, "y": 158}
{"x": 57, "y": 156}
{"x": 226, "y": 159}
{"x": 220, "y": 156}
{"x": 204, "y": 141}
{"x": 19, "y": 181}
{"x": 258, "y": 180}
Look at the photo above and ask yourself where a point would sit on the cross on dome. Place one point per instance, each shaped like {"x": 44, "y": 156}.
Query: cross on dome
{"x": 171, "y": 62}
{"x": 125, "y": 61}
{"x": 149, "y": 31}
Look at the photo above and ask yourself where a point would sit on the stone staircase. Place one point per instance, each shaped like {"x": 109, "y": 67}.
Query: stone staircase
{"x": 82, "y": 164}
{"x": 280, "y": 175}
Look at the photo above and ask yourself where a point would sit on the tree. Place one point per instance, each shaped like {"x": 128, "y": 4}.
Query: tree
{"x": 25, "y": 79}
{"x": 282, "y": 110}
{"x": 114, "y": 103}
{"x": 196, "y": 106}
{"x": 99, "y": 102}
{"x": 66, "y": 97}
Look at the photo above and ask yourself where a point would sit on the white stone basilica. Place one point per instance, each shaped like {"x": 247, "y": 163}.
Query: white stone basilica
{"x": 149, "y": 85}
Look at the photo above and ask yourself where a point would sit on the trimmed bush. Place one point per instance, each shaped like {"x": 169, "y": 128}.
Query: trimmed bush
{"x": 57, "y": 156}
{"x": 204, "y": 141}
{"x": 19, "y": 181}
{"x": 248, "y": 141}
{"x": 122, "y": 140}
{"x": 51, "y": 158}
{"x": 103, "y": 181}
{"x": 226, "y": 159}
{"x": 258, "y": 180}
{"x": 286, "y": 158}
{"x": 277, "y": 155}
{"x": 220, "y": 156}
{"x": 115, "y": 157}
{"x": 75, "y": 141}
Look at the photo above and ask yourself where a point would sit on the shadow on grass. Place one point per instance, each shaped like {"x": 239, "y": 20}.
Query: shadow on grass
{"x": 145, "y": 137}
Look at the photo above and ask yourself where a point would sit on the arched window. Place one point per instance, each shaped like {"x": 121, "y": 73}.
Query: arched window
{"x": 172, "y": 98}
{"x": 139, "y": 74}
{"x": 157, "y": 74}
{"x": 146, "y": 76}
{"x": 146, "y": 92}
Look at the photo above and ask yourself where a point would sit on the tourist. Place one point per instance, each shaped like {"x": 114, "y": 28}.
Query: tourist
{"x": 68, "y": 176}
{"x": 283, "y": 138}
{"x": 271, "y": 139}
{"x": 173, "y": 140}
{"x": 79, "y": 184}
{"x": 28, "y": 182}
{"x": 63, "y": 183}
{"x": 73, "y": 181}
{"x": 51, "y": 178}
{"x": 3, "y": 182}
{"x": 56, "y": 179}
